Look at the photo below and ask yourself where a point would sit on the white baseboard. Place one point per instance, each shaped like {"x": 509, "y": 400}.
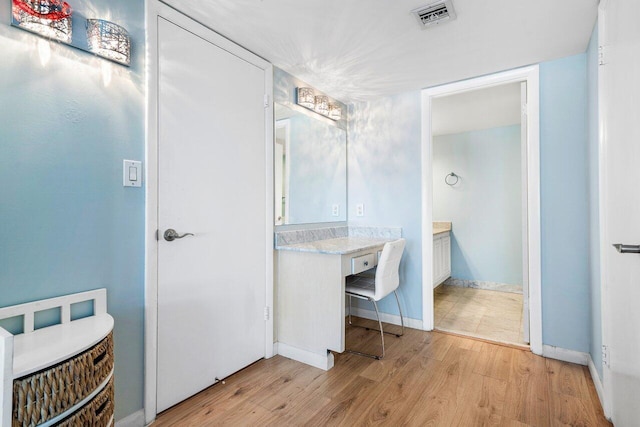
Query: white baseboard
{"x": 321, "y": 361}
{"x": 571, "y": 356}
{"x": 134, "y": 420}
{"x": 387, "y": 318}
{"x": 597, "y": 382}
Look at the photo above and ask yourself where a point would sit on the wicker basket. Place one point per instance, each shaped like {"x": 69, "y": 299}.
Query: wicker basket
{"x": 96, "y": 413}
{"x": 43, "y": 395}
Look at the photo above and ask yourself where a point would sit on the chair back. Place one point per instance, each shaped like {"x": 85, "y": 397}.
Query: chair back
{"x": 387, "y": 277}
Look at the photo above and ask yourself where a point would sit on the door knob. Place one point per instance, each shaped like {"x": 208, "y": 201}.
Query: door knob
{"x": 170, "y": 235}
{"x": 627, "y": 249}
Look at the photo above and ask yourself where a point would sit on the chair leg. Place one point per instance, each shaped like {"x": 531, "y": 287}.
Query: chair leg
{"x": 379, "y": 330}
{"x": 380, "y": 324}
{"x": 373, "y": 356}
{"x": 400, "y": 311}
{"x": 350, "y": 310}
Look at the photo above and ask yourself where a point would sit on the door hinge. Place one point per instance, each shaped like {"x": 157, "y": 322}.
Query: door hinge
{"x": 601, "y": 55}
{"x": 266, "y": 313}
{"x": 605, "y": 356}
{"x": 266, "y": 100}
{"x": 158, "y": 235}
{"x": 524, "y": 109}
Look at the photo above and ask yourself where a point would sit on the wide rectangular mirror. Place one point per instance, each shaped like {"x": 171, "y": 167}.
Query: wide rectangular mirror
{"x": 310, "y": 168}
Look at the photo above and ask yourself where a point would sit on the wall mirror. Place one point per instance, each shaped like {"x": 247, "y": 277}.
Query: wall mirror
{"x": 310, "y": 168}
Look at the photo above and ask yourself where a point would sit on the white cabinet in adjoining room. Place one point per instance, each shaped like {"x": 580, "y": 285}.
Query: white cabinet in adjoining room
{"x": 441, "y": 258}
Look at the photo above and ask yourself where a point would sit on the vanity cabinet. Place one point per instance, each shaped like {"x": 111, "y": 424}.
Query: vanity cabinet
{"x": 60, "y": 375}
{"x": 441, "y": 258}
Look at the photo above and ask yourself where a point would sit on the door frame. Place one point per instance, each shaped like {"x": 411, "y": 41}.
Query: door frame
{"x": 603, "y": 211}
{"x": 153, "y": 10}
{"x": 529, "y": 74}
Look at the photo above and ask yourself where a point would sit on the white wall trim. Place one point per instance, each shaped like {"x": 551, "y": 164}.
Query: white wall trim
{"x": 565, "y": 355}
{"x": 392, "y": 319}
{"x": 531, "y": 76}
{"x": 324, "y": 362}
{"x": 607, "y": 385}
{"x": 133, "y": 420}
{"x": 153, "y": 10}
{"x": 599, "y": 389}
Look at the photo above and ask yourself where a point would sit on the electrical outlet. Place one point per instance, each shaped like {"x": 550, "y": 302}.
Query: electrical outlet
{"x": 335, "y": 210}
{"x": 360, "y": 209}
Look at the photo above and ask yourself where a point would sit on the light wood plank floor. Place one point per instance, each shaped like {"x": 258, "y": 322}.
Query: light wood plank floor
{"x": 491, "y": 315}
{"x": 426, "y": 378}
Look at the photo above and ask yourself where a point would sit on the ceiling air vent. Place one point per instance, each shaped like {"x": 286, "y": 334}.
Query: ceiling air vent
{"x": 435, "y": 13}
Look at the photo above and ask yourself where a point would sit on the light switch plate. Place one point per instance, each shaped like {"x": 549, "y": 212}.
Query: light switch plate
{"x": 335, "y": 210}
{"x": 131, "y": 173}
{"x": 360, "y": 209}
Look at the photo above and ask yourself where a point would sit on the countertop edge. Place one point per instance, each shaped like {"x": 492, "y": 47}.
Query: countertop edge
{"x": 295, "y": 248}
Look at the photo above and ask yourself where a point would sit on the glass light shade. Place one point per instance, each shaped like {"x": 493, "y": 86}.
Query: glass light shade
{"x": 335, "y": 112}
{"x": 306, "y": 97}
{"x": 49, "y": 18}
{"x": 109, "y": 40}
{"x": 322, "y": 105}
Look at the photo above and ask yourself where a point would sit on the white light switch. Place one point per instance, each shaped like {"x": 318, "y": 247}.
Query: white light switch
{"x": 131, "y": 173}
{"x": 360, "y": 209}
{"x": 335, "y": 210}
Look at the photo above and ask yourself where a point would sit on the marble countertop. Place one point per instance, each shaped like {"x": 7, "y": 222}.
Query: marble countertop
{"x": 441, "y": 227}
{"x": 337, "y": 246}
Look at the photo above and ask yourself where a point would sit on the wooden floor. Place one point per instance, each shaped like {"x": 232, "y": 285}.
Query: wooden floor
{"x": 426, "y": 378}
{"x": 492, "y": 315}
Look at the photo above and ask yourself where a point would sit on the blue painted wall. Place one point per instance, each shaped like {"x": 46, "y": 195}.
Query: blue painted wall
{"x": 384, "y": 174}
{"x": 594, "y": 202}
{"x": 565, "y": 203}
{"x": 66, "y": 223}
{"x": 485, "y": 206}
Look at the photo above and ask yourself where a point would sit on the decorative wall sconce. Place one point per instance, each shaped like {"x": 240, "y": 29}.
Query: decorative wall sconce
{"x": 109, "y": 40}
{"x": 318, "y": 103}
{"x": 48, "y": 18}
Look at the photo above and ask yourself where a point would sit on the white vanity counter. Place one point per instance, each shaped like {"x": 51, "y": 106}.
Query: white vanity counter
{"x": 311, "y": 269}
{"x": 336, "y": 246}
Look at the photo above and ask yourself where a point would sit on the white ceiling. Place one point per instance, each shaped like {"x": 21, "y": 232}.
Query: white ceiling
{"x": 493, "y": 107}
{"x": 359, "y": 49}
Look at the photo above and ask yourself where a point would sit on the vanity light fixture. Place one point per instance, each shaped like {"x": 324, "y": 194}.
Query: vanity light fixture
{"x": 322, "y": 105}
{"x": 48, "y": 18}
{"x": 318, "y": 103}
{"x": 335, "y": 112}
{"x": 306, "y": 97}
{"x": 109, "y": 40}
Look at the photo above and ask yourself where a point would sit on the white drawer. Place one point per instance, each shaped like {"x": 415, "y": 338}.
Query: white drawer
{"x": 362, "y": 263}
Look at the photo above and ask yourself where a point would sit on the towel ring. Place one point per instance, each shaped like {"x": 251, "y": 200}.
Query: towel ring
{"x": 453, "y": 175}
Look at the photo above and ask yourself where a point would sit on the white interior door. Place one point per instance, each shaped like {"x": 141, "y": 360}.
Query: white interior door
{"x": 524, "y": 131}
{"x": 620, "y": 198}
{"x": 211, "y": 168}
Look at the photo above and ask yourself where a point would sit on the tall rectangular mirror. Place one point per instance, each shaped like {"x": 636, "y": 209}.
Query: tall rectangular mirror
{"x": 310, "y": 168}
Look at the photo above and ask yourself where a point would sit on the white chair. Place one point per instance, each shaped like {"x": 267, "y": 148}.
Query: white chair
{"x": 374, "y": 288}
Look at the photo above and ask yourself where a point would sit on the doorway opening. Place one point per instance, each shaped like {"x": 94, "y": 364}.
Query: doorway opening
{"x": 481, "y": 225}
